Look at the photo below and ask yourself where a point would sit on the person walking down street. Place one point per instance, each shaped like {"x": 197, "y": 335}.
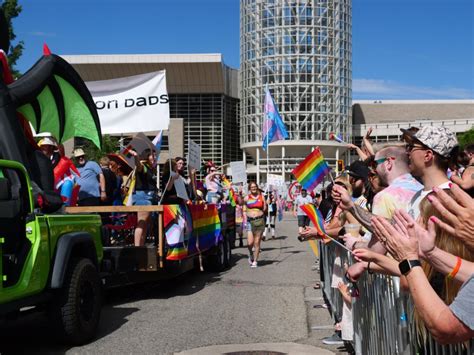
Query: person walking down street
{"x": 270, "y": 216}
{"x": 91, "y": 180}
{"x": 303, "y": 219}
{"x": 256, "y": 208}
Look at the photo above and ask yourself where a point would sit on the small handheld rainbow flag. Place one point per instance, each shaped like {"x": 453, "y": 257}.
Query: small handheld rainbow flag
{"x": 317, "y": 219}
{"x": 232, "y": 197}
{"x": 312, "y": 170}
{"x": 336, "y": 137}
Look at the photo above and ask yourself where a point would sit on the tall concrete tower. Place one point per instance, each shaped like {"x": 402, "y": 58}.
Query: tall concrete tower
{"x": 301, "y": 49}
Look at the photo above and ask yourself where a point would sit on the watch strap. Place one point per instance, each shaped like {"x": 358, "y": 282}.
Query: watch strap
{"x": 406, "y": 265}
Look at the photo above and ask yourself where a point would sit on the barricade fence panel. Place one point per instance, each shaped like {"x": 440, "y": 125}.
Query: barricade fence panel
{"x": 382, "y": 315}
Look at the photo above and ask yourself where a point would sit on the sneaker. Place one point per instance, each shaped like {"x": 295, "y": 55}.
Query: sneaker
{"x": 254, "y": 264}
{"x": 333, "y": 340}
{"x": 250, "y": 260}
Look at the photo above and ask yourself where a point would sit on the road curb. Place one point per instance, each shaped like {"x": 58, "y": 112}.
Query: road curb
{"x": 285, "y": 348}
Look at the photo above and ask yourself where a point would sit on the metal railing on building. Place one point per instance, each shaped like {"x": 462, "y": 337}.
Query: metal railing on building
{"x": 382, "y": 314}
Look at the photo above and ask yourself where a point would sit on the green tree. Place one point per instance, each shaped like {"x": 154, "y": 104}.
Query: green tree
{"x": 466, "y": 138}
{"x": 11, "y": 9}
{"x": 109, "y": 145}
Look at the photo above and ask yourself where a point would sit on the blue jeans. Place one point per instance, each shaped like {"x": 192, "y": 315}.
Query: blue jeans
{"x": 142, "y": 198}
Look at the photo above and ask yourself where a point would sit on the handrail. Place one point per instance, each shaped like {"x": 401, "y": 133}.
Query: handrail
{"x": 382, "y": 315}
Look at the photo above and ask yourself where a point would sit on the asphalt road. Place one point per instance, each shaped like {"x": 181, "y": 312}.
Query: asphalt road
{"x": 270, "y": 304}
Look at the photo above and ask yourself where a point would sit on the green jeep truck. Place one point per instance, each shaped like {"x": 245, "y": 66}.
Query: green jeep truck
{"x": 48, "y": 261}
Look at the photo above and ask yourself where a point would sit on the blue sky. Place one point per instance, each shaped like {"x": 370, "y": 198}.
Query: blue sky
{"x": 402, "y": 49}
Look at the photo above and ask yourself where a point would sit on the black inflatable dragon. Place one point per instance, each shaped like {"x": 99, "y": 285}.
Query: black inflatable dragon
{"x": 53, "y": 98}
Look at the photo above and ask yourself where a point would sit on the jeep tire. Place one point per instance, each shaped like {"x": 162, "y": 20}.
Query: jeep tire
{"x": 76, "y": 308}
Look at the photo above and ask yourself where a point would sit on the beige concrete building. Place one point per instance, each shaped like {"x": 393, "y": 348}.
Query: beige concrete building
{"x": 386, "y": 117}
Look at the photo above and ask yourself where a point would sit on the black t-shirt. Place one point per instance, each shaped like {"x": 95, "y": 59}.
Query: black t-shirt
{"x": 145, "y": 179}
{"x": 110, "y": 182}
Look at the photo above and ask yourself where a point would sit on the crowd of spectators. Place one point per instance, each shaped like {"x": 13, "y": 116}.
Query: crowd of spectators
{"x": 413, "y": 202}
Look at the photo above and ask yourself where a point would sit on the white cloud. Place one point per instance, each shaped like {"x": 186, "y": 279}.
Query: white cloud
{"x": 386, "y": 89}
{"x": 42, "y": 34}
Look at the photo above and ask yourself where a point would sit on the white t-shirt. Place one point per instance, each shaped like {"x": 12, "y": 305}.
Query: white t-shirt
{"x": 414, "y": 205}
{"x": 300, "y": 201}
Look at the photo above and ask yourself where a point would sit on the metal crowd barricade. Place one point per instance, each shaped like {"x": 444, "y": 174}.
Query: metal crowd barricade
{"x": 382, "y": 315}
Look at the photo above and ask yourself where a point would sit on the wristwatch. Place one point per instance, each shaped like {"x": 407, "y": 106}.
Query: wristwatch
{"x": 406, "y": 265}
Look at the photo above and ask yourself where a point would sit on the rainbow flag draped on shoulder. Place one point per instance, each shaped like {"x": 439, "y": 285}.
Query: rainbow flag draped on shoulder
{"x": 317, "y": 219}
{"x": 312, "y": 170}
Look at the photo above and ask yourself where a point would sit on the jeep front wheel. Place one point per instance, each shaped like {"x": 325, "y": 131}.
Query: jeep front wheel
{"x": 76, "y": 309}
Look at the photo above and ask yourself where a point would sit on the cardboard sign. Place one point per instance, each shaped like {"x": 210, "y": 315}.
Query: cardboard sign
{"x": 180, "y": 188}
{"x": 275, "y": 180}
{"x": 238, "y": 172}
{"x": 194, "y": 155}
{"x": 139, "y": 143}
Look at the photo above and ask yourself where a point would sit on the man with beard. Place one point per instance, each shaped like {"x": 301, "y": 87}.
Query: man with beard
{"x": 91, "y": 182}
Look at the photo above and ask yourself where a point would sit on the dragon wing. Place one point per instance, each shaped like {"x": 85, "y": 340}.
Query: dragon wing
{"x": 53, "y": 97}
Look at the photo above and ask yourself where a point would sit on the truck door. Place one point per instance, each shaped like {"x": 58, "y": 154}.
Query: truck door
{"x": 14, "y": 207}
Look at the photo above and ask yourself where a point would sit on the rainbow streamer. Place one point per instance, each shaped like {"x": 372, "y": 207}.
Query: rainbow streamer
{"x": 312, "y": 170}
{"x": 317, "y": 219}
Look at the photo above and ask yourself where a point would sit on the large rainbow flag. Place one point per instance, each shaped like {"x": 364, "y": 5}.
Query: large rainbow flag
{"x": 178, "y": 227}
{"x": 312, "y": 170}
{"x": 315, "y": 216}
{"x": 206, "y": 228}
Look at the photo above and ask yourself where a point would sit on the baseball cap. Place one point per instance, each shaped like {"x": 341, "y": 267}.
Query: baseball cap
{"x": 78, "y": 153}
{"x": 439, "y": 139}
{"x": 47, "y": 141}
{"x": 358, "y": 169}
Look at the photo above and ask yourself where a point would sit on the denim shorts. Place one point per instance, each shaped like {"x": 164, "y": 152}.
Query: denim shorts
{"x": 142, "y": 198}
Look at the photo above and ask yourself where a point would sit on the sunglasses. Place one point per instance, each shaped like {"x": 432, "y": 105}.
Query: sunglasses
{"x": 411, "y": 147}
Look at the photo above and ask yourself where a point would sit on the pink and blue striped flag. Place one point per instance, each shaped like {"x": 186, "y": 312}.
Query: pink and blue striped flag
{"x": 273, "y": 126}
{"x": 157, "y": 143}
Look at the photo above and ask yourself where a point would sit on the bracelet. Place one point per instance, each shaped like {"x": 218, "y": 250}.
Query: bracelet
{"x": 368, "y": 268}
{"x": 456, "y": 268}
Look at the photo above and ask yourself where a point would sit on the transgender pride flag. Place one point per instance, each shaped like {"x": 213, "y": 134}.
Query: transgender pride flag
{"x": 157, "y": 143}
{"x": 273, "y": 126}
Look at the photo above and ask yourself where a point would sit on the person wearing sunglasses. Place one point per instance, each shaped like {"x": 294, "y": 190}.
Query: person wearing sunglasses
{"x": 91, "y": 180}
{"x": 213, "y": 184}
{"x": 391, "y": 165}
{"x": 430, "y": 152}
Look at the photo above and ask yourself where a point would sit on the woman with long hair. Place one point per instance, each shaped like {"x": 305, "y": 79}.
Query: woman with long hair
{"x": 446, "y": 287}
{"x": 256, "y": 208}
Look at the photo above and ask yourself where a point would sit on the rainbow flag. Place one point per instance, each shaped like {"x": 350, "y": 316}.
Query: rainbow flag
{"x": 232, "y": 197}
{"x": 312, "y": 170}
{"x": 177, "y": 225}
{"x": 206, "y": 228}
{"x": 336, "y": 137}
{"x": 317, "y": 219}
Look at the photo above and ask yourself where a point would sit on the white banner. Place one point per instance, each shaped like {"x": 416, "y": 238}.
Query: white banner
{"x": 133, "y": 104}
